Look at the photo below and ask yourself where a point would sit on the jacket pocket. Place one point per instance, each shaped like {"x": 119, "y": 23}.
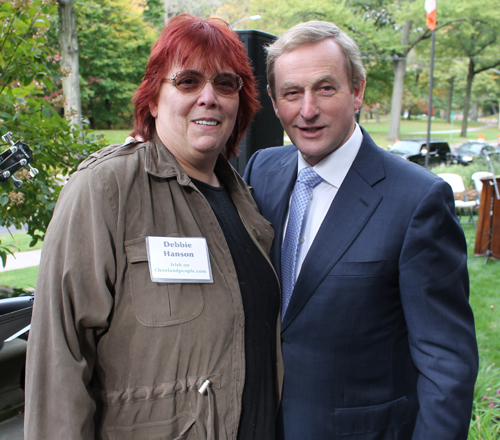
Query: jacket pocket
{"x": 159, "y": 304}
{"x": 375, "y": 418}
{"x": 181, "y": 427}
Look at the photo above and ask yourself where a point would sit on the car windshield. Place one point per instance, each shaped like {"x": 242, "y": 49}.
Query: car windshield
{"x": 475, "y": 147}
{"x": 406, "y": 147}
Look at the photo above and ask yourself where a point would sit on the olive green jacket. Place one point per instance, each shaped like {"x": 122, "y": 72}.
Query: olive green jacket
{"x": 113, "y": 355}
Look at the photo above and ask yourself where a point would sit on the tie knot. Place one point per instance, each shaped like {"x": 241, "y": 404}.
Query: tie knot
{"x": 309, "y": 177}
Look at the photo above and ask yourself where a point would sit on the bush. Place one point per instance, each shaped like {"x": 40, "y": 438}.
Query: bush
{"x": 27, "y": 74}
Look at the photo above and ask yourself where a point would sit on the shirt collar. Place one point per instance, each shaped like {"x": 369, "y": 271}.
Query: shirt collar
{"x": 334, "y": 167}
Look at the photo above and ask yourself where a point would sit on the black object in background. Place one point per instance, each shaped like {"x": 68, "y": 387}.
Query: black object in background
{"x": 265, "y": 130}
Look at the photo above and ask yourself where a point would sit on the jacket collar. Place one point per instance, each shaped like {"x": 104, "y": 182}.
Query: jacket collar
{"x": 160, "y": 162}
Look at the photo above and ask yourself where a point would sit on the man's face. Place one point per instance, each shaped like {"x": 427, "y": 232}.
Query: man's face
{"x": 314, "y": 101}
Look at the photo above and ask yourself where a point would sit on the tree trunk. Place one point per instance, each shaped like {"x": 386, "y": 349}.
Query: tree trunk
{"x": 68, "y": 43}
{"x": 475, "y": 111}
{"x": 399, "y": 66}
{"x": 468, "y": 88}
{"x": 451, "y": 82}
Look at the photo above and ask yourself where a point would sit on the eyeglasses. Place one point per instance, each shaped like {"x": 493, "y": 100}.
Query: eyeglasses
{"x": 191, "y": 81}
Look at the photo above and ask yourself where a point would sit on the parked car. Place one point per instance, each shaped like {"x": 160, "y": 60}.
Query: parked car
{"x": 415, "y": 150}
{"x": 468, "y": 152}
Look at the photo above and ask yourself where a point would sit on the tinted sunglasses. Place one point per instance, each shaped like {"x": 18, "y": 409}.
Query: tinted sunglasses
{"x": 191, "y": 81}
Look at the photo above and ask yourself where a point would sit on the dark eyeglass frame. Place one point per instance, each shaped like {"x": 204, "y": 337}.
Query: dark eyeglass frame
{"x": 173, "y": 80}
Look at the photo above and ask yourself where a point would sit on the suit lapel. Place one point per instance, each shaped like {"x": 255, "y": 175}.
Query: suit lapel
{"x": 280, "y": 186}
{"x": 351, "y": 209}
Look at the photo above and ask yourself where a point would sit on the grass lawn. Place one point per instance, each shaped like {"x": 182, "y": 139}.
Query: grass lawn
{"x": 114, "y": 136}
{"x": 20, "y": 278}
{"x": 485, "y": 301}
{"x": 418, "y": 128}
{"x": 19, "y": 242}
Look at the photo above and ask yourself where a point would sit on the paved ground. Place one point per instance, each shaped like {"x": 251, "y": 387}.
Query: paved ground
{"x": 22, "y": 259}
{"x": 19, "y": 260}
{"x": 12, "y": 429}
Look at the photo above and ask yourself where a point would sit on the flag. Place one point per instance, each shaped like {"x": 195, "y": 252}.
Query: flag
{"x": 430, "y": 8}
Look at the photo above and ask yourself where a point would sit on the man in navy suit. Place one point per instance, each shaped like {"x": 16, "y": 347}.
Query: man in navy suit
{"x": 377, "y": 333}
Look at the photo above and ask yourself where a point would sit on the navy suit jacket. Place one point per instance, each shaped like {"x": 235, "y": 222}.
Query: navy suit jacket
{"x": 378, "y": 339}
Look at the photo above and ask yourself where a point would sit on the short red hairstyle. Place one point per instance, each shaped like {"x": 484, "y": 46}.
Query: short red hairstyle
{"x": 208, "y": 44}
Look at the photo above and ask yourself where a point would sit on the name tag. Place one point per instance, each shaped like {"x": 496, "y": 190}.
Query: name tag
{"x": 179, "y": 260}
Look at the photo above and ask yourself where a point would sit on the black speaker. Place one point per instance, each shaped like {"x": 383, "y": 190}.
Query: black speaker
{"x": 265, "y": 129}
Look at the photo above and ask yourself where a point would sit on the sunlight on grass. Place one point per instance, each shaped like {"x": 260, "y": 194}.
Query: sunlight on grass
{"x": 418, "y": 128}
{"x": 21, "y": 278}
{"x": 19, "y": 242}
{"x": 115, "y": 136}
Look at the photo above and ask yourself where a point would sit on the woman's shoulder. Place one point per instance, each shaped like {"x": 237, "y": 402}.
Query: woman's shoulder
{"x": 114, "y": 155}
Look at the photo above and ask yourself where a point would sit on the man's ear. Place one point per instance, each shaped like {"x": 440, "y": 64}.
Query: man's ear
{"x": 358, "y": 95}
{"x": 274, "y": 102}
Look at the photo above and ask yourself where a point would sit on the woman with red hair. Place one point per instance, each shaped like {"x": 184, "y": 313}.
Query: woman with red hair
{"x": 157, "y": 308}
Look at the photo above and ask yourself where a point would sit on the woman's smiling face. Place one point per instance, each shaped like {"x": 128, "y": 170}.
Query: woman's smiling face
{"x": 194, "y": 126}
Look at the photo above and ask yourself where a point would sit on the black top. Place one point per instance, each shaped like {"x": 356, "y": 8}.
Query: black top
{"x": 261, "y": 300}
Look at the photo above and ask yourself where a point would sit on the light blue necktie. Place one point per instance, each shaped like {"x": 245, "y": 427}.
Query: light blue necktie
{"x": 307, "y": 180}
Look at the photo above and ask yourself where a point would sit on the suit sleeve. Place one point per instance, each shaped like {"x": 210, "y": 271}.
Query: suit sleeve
{"x": 73, "y": 302}
{"x": 434, "y": 287}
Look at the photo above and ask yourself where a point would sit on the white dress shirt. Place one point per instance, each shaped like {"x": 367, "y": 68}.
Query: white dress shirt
{"x": 333, "y": 169}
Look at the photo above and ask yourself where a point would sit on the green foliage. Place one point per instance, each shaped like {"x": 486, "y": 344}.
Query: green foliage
{"x": 154, "y": 12}
{"x": 27, "y": 75}
{"x": 114, "y": 46}
{"x": 22, "y": 52}
{"x": 12, "y": 292}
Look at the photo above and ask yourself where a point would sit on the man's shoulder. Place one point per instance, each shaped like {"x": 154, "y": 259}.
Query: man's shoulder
{"x": 269, "y": 160}
{"x": 393, "y": 165}
{"x": 271, "y": 154}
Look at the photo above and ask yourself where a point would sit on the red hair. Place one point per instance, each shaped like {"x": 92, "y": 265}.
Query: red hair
{"x": 208, "y": 44}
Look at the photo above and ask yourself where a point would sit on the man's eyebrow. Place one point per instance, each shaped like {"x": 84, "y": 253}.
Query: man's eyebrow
{"x": 327, "y": 78}
{"x": 321, "y": 79}
{"x": 289, "y": 85}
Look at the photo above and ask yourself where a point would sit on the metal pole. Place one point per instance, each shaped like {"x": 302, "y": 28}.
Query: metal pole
{"x": 429, "y": 111}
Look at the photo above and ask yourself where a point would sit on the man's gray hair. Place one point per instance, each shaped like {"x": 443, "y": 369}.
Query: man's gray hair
{"x": 312, "y": 32}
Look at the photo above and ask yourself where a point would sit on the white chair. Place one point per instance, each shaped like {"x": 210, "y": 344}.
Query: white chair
{"x": 476, "y": 178}
{"x": 458, "y": 187}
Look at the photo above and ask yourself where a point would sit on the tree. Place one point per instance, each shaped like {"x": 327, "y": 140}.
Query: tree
{"x": 68, "y": 43}
{"x": 28, "y": 71}
{"x": 114, "y": 47}
{"x": 201, "y": 8}
{"x": 393, "y": 29}
{"x": 154, "y": 13}
{"x": 383, "y": 29}
{"x": 478, "y": 40}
